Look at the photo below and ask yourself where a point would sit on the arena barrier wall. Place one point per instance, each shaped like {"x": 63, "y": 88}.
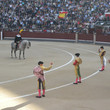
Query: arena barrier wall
{"x": 91, "y": 37}
{"x": 41, "y": 35}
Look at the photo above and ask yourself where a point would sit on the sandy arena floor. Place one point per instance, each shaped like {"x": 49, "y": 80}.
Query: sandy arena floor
{"x": 18, "y": 85}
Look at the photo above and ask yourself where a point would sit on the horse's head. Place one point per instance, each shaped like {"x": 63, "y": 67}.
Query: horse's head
{"x": 28, "y": 44}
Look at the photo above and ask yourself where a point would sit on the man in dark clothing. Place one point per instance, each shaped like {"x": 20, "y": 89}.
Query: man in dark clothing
{"x": 18, "y": 39}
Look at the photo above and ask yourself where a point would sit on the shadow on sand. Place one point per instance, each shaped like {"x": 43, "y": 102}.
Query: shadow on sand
{"x": 17, "y": 106}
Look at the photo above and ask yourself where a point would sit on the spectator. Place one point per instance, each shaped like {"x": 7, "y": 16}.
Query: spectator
{"x": 31, "y": 14}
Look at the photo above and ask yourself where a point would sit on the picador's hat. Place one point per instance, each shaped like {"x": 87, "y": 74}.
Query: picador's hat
{"x": 77, "y": 54}
{"x": 102, "y": 47}
{"x": 21, "y": 30}
{"x": 40, "y": 62}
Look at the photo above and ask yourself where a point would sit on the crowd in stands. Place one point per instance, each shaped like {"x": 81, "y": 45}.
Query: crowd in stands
{"x": 43, "y": 15}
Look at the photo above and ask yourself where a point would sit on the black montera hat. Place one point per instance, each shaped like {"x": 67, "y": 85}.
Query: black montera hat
{"x": 77, "y": 54}
{"x": 102, "y": 47}
{"x": 40, "y": 62}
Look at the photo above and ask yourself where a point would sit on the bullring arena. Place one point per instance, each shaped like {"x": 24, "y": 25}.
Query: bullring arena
{"x": 18, "y": 85}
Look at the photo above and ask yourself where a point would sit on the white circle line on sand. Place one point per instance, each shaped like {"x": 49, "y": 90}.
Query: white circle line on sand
{"x": 8, "y": 81}
{"x": 51, "y": 89}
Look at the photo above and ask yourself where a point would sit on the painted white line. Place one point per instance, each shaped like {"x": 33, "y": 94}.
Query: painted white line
{"x": 87, "y": 51}
{"x": 4, "y": 82}
{"x": 51, "y": 89}
{"x": 72, "y": 58}
{"x": 27, "y": 95}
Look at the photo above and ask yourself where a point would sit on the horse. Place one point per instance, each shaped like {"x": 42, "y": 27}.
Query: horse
{"x": 22, "y": 46}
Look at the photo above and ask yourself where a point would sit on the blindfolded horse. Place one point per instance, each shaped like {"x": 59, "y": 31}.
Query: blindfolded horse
{"x": 22, "y": 46}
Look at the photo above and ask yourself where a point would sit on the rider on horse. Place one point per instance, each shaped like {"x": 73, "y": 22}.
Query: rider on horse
{"x": 18, "y": 38}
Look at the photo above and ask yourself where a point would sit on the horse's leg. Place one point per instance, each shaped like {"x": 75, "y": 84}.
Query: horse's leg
{"x": 15, "y": 53}
{"x": 23, "y": 54}
{"x": 19, "y": 54}
{"x": 11, "y": 53}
